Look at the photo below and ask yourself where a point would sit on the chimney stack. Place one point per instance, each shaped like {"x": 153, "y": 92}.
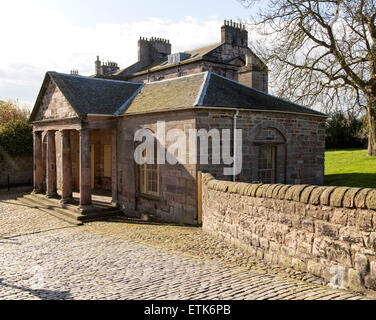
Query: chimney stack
{"x": 105, "y": 68}
{"x": 235, "y": 34}
{"x": 152, "y": 50}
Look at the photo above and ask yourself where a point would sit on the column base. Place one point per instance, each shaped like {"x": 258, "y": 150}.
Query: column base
{"x": 85, "y": 209}
{"x": 52, "y": 196}
{"x": 36, "y": 191}
{"x": 115, "y": 204}
{"x": 69, "y": 200}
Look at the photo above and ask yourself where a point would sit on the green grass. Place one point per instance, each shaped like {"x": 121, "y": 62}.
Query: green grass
{"x": 350, "y": 168}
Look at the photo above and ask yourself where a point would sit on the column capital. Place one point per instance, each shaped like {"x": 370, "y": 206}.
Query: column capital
{"x": 51, "y": 132}
{"x": 38, "y": 132}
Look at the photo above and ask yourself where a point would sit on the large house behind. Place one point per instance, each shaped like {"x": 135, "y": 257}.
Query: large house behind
{"x": 231, "y": 58}
{"x": 84, "y": 127}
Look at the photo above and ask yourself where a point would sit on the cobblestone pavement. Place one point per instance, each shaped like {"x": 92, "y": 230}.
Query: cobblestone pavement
{"x": 42, "y": 257}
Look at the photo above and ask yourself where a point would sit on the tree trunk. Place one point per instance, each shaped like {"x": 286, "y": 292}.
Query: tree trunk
{"x": 371, "y": 113}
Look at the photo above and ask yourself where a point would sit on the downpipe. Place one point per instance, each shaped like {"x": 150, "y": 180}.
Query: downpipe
{"x": 235, "y": 143}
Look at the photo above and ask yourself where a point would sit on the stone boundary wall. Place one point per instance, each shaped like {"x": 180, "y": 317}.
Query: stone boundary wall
{"x": 19, "y": 169}
{"x": 327, "y": 231}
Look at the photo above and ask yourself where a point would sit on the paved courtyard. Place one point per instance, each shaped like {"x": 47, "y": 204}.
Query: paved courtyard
{"x": 42, "y": 257}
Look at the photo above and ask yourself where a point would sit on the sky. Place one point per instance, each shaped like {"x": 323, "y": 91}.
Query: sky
{"x": 60, "y": 35}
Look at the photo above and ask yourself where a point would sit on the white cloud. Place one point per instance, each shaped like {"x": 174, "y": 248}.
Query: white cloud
{"x": 35, "y": 40}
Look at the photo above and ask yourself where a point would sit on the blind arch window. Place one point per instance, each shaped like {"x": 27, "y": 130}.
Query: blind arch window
{"x": 149, "y": 176}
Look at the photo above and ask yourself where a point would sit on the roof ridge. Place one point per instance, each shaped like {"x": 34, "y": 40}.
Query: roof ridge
{"x": 214, "y": 45}
{"x": 176, "y": 78}
{"x": 91, "y": 78}
{"x": 203, "y": 90}
{"x": 128, "y": 102}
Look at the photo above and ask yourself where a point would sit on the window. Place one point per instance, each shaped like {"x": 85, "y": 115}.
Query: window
{"x": 107, "y": 161}
{"x": 148, "y": 175}
{"x": 267, "y": 164}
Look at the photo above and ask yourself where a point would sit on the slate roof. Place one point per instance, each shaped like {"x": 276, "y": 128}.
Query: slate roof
{"x": 171, "y": 94}
{"x": 223, "y": 92}
{"x": 195, "y": 55}
{"x": 208, "y": 89}
{"x": 114, "y": 97}
{"x": 90, "y": 95}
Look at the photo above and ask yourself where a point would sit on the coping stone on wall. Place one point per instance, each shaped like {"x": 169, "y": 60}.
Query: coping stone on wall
{"x": 241, "y": 188}
{"x": 270, "y": 190}
{"x": 349, "y": 197}
{"x": 361, "y": 197}
{"x": 309, "y": 194}
{"x": 306, "y": 194}
{"x": 298, "y": 191}
{"x": 315, "y": 195}
{"x": 290, "y": 193}
{"x": 283, "y": 191}
{"x": 276, "y": 191}
{"x": 336, "y": 198}
{"x": 253, "y": 190}
{"x": 260, "y": 193}
{"x": 325, "y": 196}
{"x": 371, "y": 200}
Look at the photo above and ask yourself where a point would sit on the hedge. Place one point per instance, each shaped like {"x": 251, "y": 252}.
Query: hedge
{"x": 16, "y": 137}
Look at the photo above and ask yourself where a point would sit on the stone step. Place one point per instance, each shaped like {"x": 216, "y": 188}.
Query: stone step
{"x": 71, "y": 212}
{"x": 33, "y": 204}
{"x": 100, "y": 215}
{"x": 52, "y": 205}
{"x": 72, "y": 207}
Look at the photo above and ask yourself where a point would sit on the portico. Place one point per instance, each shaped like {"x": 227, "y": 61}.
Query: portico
{"x": 75, "y": 160}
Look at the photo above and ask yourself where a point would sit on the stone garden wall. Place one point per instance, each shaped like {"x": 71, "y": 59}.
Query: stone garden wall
{"x": 327, "y": 231}
{"x": 18, "y": 168}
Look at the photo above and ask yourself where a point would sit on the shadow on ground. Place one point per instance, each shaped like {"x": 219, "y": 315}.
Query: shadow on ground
{"x": 133, "y": 221}
{"x": 355, "y": 180}
{"x": 41, "y": 294}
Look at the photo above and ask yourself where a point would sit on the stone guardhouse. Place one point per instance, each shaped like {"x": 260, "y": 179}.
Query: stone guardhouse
{"x": 84, "y": 128}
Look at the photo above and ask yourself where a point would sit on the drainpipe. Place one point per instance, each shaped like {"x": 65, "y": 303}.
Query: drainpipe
{"x": 235, "y": 142}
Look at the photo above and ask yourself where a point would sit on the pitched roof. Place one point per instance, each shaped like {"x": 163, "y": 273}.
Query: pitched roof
{"x": 208, "y": 89}
{"x": 195, "y": 55}
{"x": 171, "y": 94}
{"x": 90, "y": 95}
{"x": 114, "y": 97}
{"x": 224, "y": 92}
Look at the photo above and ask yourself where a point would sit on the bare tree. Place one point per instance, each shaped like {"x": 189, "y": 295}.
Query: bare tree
{"x": 322, "y": 53}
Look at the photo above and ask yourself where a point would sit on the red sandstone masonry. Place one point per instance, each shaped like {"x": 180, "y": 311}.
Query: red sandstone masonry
{"x": 306, "y": 227}
{"x": 19, "y": 168}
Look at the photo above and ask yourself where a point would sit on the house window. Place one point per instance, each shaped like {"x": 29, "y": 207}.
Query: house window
{"x": 148, "y": 175}
{"x": 267, "y": 164}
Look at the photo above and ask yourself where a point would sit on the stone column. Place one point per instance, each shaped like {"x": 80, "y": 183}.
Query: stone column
{"x": 114, "y": 169}
{"x": 51, "y": 165}
{"x": 85, "y": 170}
{"x": 38, "y": 162}
{"x": 66, "y": 167}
